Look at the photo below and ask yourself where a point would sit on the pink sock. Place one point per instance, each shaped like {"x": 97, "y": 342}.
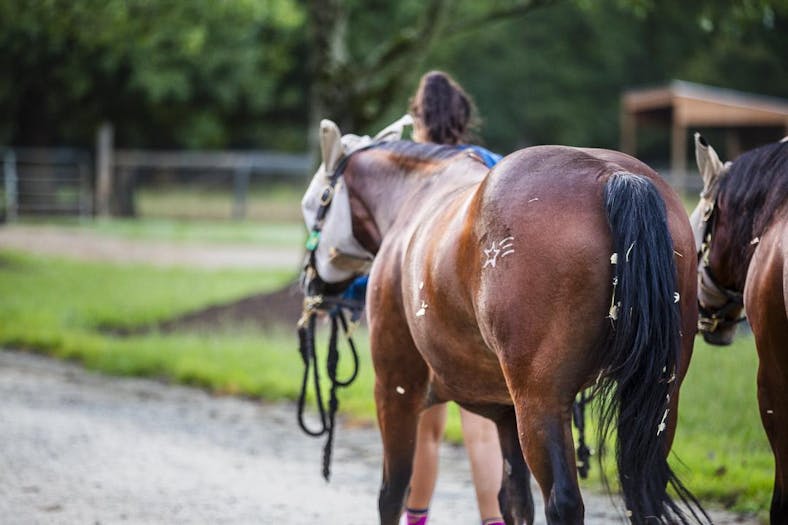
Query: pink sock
{"x": 493, "y": 521}
{"x": 416, "y": 516}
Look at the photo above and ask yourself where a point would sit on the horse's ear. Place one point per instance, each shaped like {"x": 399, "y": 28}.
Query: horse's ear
{"x": 395, "y": 130}
{"x": 330, "y": 144}
{"x": 709, "y": 164}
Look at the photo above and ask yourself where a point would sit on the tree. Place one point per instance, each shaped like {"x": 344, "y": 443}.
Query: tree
{"x": 354, "y": 82}
{"x": 197, "y": 73}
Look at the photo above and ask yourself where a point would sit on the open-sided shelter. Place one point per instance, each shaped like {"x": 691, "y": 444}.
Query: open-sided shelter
{"x": 686, "y": 106}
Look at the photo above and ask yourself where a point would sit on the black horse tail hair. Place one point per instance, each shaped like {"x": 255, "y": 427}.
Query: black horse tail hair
{"x": 640, "y": 366}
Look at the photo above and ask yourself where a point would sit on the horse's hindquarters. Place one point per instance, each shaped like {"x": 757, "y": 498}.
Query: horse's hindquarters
{"x": 766, "y": 301}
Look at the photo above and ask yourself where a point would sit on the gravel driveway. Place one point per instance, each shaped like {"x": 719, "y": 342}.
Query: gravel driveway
{"x": 78, "y": 447}
{"x": 88, "y": 246}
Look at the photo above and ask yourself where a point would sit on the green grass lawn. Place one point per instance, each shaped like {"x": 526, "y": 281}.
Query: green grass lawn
{"x": 57, "y": 307}
{"x": 265, "y": 203}
{"x": 63, "y": 308}
{"x": 720, "y": 437}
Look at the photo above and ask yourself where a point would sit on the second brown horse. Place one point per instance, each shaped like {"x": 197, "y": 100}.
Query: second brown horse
{"x": 511, "y": 290}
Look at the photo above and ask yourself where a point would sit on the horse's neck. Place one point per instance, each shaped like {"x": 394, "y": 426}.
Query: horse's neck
{"x": 753, "y": 196}
{"x": 393, "y": 190}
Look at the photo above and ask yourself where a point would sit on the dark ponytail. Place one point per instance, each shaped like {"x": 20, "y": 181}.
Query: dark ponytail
{"x": 442, "y": 109}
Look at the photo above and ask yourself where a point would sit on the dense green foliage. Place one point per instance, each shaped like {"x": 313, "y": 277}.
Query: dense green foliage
{"x": 197, "y": 73}
{"x": 556, "y": 75}
{"x": 247, "y": 73}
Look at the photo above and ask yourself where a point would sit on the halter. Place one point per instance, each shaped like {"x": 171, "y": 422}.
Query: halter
{"x": 336, "y": 308}
{"x": 713, "y": 317}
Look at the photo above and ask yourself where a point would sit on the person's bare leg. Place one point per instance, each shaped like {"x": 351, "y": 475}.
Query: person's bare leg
{"x": 425, "y": 461}
{"x": 484, "y": 452}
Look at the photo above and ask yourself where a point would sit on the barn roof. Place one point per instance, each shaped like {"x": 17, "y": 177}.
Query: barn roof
{"x": 691, "y": 104}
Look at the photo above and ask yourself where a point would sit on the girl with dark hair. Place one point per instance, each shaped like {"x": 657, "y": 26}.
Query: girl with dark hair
{"x": 443, "y": 113}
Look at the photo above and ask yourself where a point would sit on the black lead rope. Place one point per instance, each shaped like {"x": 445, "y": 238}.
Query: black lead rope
{"x": 306, "y": 338}
{"x": 327, "y": 415}
{"x": 579, "y": 417}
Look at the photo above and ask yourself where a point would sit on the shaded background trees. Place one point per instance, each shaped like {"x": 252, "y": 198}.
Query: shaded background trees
{"x": 258, "y": 74}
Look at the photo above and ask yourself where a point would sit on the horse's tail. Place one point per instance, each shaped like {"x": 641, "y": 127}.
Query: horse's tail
{"x": 639, "y": 368}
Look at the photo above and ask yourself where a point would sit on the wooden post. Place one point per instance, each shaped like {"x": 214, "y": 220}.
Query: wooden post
{"x": 628, "y": 124}
{"x": 678, "y": 156}
{"x": 11, "y": 182}
{"x": 104, "y": 168}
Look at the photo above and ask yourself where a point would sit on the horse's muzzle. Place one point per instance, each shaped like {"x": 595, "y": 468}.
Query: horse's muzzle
{"x": 312, "y": 285}
{"x": 721, "y": 336}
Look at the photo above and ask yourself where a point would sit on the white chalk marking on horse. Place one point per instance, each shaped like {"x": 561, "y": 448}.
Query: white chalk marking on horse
{"x": 534, "y": 199}
{"x": 422, "y": 310}
{"x": 494, "y": 251}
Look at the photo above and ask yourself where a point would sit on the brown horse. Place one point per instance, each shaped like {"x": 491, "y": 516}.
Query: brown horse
{"x": 741, "y": 226}
{"x": 509, "y": 291}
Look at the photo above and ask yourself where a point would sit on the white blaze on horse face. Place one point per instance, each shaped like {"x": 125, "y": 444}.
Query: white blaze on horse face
{"x": 498, "y": 250}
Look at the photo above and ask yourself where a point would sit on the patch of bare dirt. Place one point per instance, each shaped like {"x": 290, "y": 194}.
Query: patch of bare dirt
{"x": 282, "y": 307}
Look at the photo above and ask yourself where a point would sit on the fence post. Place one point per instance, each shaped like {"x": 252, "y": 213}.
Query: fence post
{"x": 241, "y": 180}
{"x": 11, "y": 185}
{"x": 104, "y": 167}
{"x": 85, "y": 202}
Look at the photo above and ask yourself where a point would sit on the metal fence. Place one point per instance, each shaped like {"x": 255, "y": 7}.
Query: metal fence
{"x": 63, "y": 181}
{"x": 229, "y": 174}
{"x": 39, "y": 181}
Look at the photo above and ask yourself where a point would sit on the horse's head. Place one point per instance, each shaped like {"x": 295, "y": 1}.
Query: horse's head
{"x": 335, "y": 256}
{"x": 720, "y": 306}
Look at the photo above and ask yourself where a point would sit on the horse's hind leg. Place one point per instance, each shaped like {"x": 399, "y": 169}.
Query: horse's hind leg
{"x": 767, "y": 307}
{"x": 400, "y": 392}
{"x": 515, "y": 498}
{"x": 545, "y": 433}
{"x": 772, "y": 392}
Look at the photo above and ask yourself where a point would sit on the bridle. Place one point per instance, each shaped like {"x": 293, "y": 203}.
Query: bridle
{"x": 314, "y": 301}
{"x": 715, "y": 302}
{"x": 337, "y": 308}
